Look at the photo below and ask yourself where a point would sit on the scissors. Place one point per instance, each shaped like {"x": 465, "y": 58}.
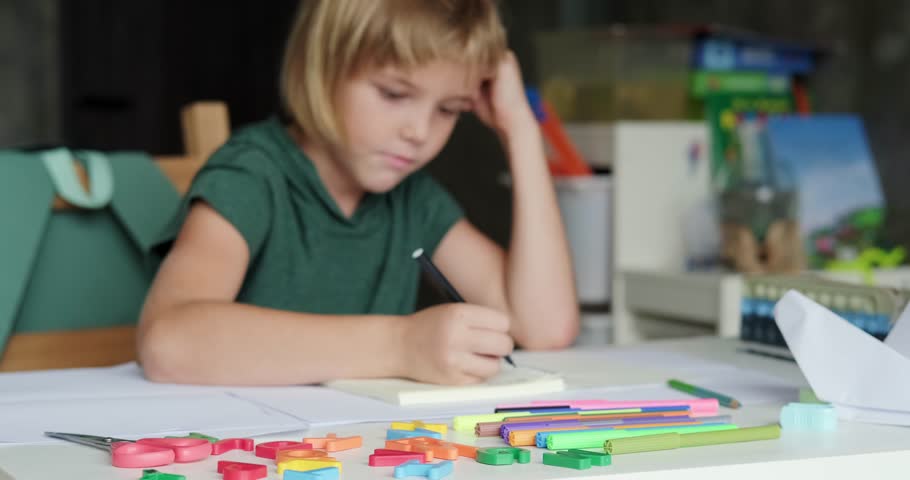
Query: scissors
{"x": 145, "y": 452}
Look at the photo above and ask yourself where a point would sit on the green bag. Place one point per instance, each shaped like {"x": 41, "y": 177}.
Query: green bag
{"x": 87, "y": 267}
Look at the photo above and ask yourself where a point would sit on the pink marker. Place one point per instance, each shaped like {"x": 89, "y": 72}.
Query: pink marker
{"x": 699, "y": 407}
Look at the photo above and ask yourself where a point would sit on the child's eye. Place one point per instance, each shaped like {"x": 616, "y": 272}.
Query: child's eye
{"x": 390, "y": 94}
{"x": 449, "y": 112}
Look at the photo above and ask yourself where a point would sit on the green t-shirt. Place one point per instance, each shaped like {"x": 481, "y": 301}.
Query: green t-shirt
{"x": 305, "y": 255}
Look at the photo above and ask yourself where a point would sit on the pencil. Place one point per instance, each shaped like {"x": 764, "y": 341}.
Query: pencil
{"x": 430, "y": 269}
{"x": 724, "y": 400}
{"x": 778, "y": 356}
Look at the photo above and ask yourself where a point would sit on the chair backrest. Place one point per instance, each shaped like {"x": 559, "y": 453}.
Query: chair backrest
{"x": 205, "y": 127}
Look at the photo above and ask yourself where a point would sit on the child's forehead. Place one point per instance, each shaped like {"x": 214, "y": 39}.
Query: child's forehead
{"x": 437, "y": 74}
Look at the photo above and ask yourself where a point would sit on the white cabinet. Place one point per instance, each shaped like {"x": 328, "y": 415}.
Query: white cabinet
{"x": 661, "y": 181}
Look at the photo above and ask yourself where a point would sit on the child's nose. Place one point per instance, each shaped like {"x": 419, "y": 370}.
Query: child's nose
{"x": 416, "y": 129}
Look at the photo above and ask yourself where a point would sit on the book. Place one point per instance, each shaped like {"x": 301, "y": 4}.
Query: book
{"x": 703, "y": 83}
{"x": 737, "y": 124}
{"x": 510, "y": 382}
{"x": 841, "y": 206}
{"x": 747, "y": 52}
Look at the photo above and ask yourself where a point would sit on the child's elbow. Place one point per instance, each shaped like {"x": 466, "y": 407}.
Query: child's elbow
{"x": 158, "y": 355}
{"x": 559, "y": 335}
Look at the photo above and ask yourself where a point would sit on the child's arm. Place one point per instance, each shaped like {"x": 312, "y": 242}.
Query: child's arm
{"x": 192, "y": 331}
{"x": 533, "y": 281}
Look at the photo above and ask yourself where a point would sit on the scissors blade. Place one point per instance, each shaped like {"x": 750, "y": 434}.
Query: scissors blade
{"x": 103, "y": 443}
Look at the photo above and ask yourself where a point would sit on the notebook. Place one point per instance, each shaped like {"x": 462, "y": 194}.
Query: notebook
{"x": 510, "y": 382}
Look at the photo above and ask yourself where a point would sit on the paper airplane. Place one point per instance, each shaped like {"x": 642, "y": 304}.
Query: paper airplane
{"x": 866, "y": 379}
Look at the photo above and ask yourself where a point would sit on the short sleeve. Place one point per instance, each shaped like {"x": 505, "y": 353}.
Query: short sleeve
{"x": 437, "y": 209}
{"x": 237, "y": 191}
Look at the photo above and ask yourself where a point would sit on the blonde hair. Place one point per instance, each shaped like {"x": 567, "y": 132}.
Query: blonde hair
{"x": 331, "y": 40}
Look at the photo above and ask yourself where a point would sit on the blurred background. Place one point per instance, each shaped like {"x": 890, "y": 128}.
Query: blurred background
{"x": 727, "y": 147}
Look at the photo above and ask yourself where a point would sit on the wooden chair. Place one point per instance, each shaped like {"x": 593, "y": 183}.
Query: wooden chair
{"x": 205, "y": 127}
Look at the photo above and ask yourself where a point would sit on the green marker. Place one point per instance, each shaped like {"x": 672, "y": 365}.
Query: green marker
{"x": 724, "y": 400}
{"x": 596, "y": 438}
{"x": 670, "y": 441}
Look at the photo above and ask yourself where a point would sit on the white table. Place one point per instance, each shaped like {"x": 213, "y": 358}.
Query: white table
{"x": 854, "y": 451}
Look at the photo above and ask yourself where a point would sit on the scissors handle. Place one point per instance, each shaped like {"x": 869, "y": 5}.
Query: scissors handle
{"x": 136, "y": 455}
{"x": 185, "y": 449}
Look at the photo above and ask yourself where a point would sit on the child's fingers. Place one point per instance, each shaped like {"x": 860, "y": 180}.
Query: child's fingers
{"x": 480, "y": 367}
{"x": 483, "y": 112}
{"x": 482, "y": 103}
{"x": 491, "y": 343}
{"x": 471, "y": 379}
{"x": 483, "y": 318}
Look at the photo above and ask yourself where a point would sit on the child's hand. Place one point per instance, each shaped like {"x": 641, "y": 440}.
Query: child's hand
{"x": 502, "y": 103}
{"x": 456, "y": 343}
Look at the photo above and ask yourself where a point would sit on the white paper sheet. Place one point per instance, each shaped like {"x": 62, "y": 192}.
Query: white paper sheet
{"x": 899, "y": 336}
{"x": 118, "y": 381}
{"x": 747, "y": 386}
{"x": 866, "y": 378}
{"x": 871, "y": 415}
{"x": 619, "y": 366}
{"x": 323, "y": 407}
{"x": 134, "y": 417}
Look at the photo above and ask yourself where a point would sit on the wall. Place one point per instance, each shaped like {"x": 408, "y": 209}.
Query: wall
{"x": 111, "y": 74}
{"x": 29, "y": 88}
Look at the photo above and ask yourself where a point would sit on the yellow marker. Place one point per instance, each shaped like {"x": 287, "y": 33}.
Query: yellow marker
{"x": 466, "y": 423}
{"x": 440, "y": 428}
{"x": 306, "y": 464}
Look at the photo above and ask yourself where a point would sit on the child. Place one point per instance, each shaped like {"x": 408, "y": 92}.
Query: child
{"x": 293, "y": 260}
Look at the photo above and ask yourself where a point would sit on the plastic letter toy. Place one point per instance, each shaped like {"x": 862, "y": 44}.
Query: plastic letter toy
{"x": 384, "y": 457}
{"x": 332, "y": 443}
{"x": 197, "y": 435}
{"x": 818, "y": 417}
{"x": 568, "y": 460}
{"x": 436, "y": 448}
{"x": 330, "y": 473}
{"x": 440, "y": 428}
{"x": 598, "y": 459}
{"x": 270, "y": 449}
{"x": 469, "y": 451}
{"x": 228, "y": 444}
{"x": 298, "y": 453}
{"x": 393, "y": 434}
{"x": 503, "y": 455}
{"x": 242, "y": 471}
{"x": 156, "y": 475}
{"x": 433, "y": 471}
{"x": 306, "y": 464}
{"x": 407, "y": 445}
